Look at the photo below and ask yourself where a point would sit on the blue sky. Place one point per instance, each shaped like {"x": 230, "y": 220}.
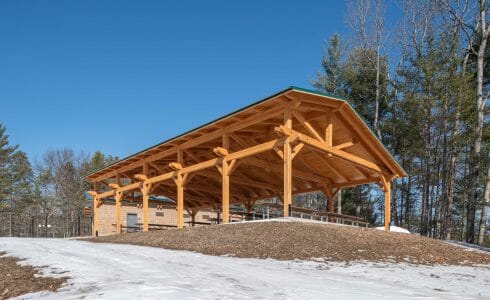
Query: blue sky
{"x": 119, "y": 76}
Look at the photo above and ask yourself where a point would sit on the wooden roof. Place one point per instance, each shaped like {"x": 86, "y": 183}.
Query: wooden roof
{"x": 355, "y": 157}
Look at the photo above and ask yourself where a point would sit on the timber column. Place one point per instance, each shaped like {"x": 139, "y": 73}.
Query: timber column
{"x": 331, "y": 205}
{"x": 179, "y": 180}
{"x": 331, "y": 199}
{"x": 118, "y": 197}
{"x": 225, "y": 167}
{"x": 145, "y": 193}
{"x": 145, "y": 190}
{"x": 387, "y": 190}
{"x": 95, "y": 225}
{"x": 95, "y": 209}
{"x": 225, "y": 177}
{"x": 288, "y": 165}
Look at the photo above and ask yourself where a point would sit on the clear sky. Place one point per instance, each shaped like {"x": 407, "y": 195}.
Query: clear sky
{"x": 119, "y": 76}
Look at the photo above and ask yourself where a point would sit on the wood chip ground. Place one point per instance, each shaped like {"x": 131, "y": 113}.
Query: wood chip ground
{"x": 305, "y": 241}
{"x": 16, "y": 280}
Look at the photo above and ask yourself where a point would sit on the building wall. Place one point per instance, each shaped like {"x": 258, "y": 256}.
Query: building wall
{"x": 157, "y": 214}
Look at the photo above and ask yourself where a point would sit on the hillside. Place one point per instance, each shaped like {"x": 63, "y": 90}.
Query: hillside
{"x": 302, "y": 240}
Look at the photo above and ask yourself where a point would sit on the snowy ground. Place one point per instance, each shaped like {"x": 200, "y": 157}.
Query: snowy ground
{"x": 110, "y": 271}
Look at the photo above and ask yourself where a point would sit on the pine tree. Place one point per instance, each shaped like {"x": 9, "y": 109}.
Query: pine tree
{"x": 331, "y": 78}
{"x": 6, "y": 151}
{"x": 21, "y": 177}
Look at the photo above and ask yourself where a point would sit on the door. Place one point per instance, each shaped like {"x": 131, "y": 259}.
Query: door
{"x": 132, "y": 222}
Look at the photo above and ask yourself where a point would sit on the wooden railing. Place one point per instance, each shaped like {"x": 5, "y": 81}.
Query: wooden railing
{"x": 305, "y": 213}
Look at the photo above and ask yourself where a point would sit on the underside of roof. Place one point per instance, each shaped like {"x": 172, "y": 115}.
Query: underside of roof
{"x": 334, "y": 149}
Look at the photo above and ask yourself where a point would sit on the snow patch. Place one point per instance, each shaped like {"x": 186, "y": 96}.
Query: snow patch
{"x": 118, "y": 271}
{"x": 394, "y": 229}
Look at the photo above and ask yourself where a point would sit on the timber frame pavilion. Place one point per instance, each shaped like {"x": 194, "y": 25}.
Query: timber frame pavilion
{"x": 292, "y": 142}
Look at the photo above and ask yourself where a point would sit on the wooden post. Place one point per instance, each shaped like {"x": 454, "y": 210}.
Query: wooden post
{"x": 327, "y": 192}
{"x": 339, "y": 202}
{"x": 387, "y": 190}
{"x": 192, "y": 212}
{"x": 95, "y": 221}
{"x": 145, "y": 191}
{"x": 225, "y": 180}
{"x": 331, "y": 205}
{"x": 179, "y": 181}
{"x": 288, "y": 177}
{"x": 180, "y": 201}
{"x": 118, "y": 197}
{"x": 95, "y": 224}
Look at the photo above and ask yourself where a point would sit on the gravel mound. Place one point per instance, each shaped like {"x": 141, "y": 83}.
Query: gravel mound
{"x": 305, "y": 241}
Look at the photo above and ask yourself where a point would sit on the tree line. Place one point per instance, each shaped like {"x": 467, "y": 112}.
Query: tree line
{"x": 421, "y": 83}
{"x": 47, "y": 199}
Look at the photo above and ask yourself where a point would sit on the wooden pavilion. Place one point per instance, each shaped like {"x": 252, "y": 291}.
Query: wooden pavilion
{"x": 292, "y": 142}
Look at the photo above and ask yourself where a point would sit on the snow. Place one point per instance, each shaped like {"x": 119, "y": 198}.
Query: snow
{"x": 394, "y": 229}
{"x": 116, "y": 271}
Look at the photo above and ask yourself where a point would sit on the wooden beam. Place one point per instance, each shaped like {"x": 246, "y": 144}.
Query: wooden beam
{"x": 349, "y": 157}
{"x": 233, "y": 165}
{"x": 362, "y": 171}
{"x": 253, "y": 150}
{"x": 113, "y": 185}
{"x": 362, "y": 136}
{"x": 157, "y": 167}
{"x": 175, "y": 166}
{"x": 296, "y": 149}
{"x": 330, "y": 166}
{"x": 307, "y": 125}
{"x": 220, "y": 151}
{"x": 344, "y": 145}
{"x": 141, "y": 177}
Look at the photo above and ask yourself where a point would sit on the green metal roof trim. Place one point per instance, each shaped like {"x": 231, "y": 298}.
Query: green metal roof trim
{"x": 291, "y": 88}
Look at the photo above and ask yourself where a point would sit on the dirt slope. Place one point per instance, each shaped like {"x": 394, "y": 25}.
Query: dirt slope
{"x": 299, "y": 240}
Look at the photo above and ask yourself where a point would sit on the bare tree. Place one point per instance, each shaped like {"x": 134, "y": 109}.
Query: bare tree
{"x": 484, "y": 212}
{"x": 367, "y": 20}
{"x": 481, "y": 100}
